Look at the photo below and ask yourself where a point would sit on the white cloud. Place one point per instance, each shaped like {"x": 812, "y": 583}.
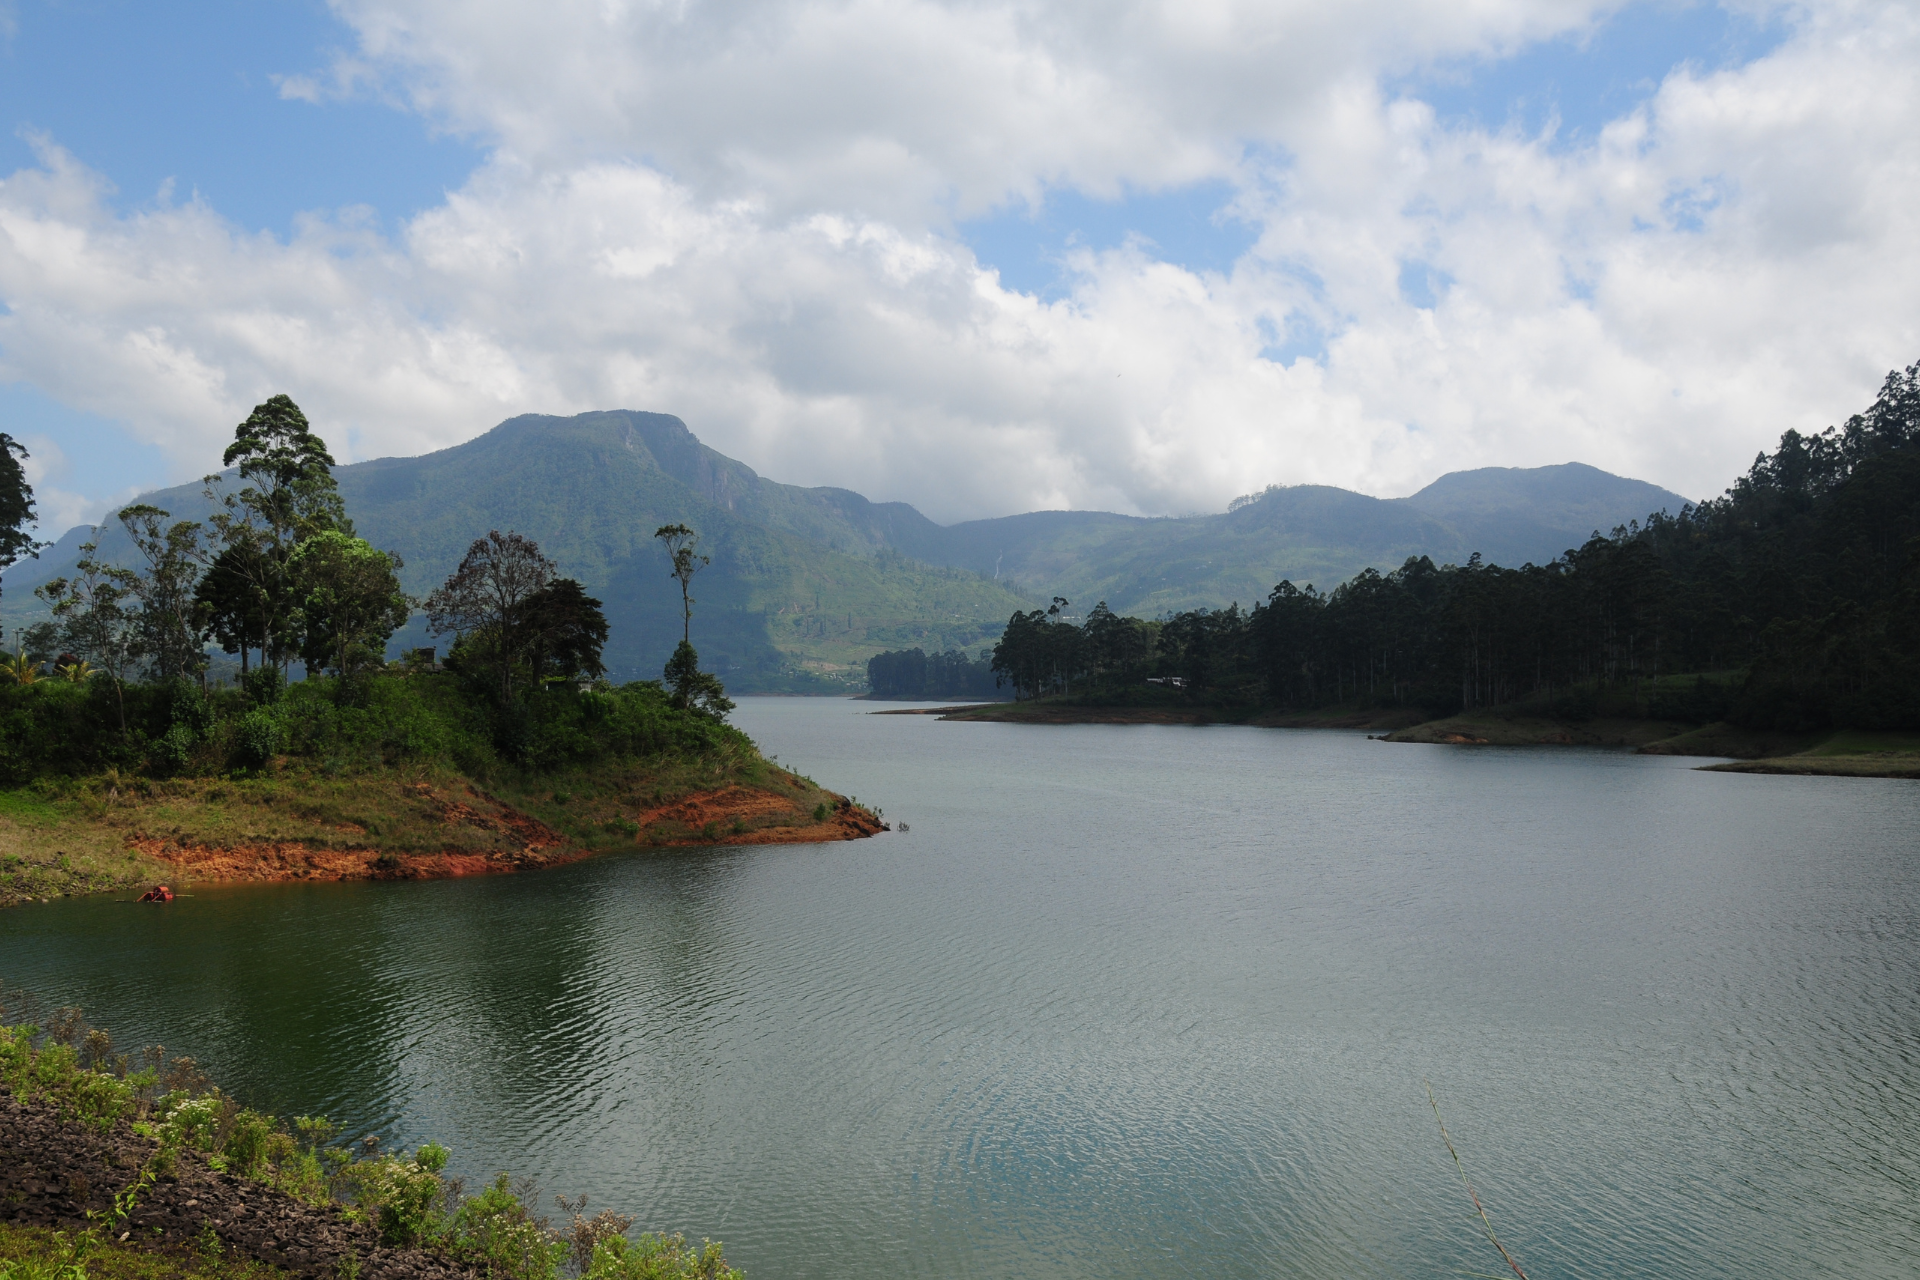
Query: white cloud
{"x": 898, "y": 108}
{"x": 738, "y": 213}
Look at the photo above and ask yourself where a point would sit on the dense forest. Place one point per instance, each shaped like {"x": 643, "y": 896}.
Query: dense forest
{"x": 118, "y": 678}
{"x": 1795, "y": 597}
{"x": 914, "y": 673}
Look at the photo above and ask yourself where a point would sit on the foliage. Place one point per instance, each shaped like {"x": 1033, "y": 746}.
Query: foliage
{"x": 232, "y": 603}
{"x": 350, "y": 601}
{"x": 694, "y": 690}
{"x": 16, "y": 504}
{"x": 56, "y": 729}
{"x": 1806, "y": 574}
{"x": 288, "y": 495}
{"x": 95, "y": 621}
{"x": 498, "y": 1233}
{"x": 407, "y": 1198}
{"x": 567, "y": 631}
{"x": 659, "y": 1257}
{"x": 256, "y": 739}
{"x": 18, "y": 667}
{"x": 683, "y": 553}
{"x": 169, "y": 628}
{"x": 37, "y": 1253}
{"x": 410, "y": 1198}
{"x": 913, "y": 673}
{"x": 484, "y": 602}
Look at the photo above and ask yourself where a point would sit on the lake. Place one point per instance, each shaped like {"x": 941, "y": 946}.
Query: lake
{"x": 1126, "y": 1001}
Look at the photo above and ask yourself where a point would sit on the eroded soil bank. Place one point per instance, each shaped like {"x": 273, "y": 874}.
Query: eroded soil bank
{"x": 731, "y": 815}
{"x": 52, "y": 1174}
{"x": 390, "y": 827}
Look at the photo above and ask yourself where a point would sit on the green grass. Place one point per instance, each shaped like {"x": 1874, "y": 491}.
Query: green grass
{"x": 1867, "y": 742}
{"x": 174, "y": 1107}
{"x": 41, "y": 1253}
{"x": 406, "y": 765}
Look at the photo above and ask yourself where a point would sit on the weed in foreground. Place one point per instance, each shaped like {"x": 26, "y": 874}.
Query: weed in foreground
{"x": 411, "y": 1201}
{"x": 38, "y": 1253}
{"x": 1472, "y": 1195}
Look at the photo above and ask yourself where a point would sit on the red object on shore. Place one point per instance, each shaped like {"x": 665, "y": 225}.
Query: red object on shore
{"x": 159, "y": 893}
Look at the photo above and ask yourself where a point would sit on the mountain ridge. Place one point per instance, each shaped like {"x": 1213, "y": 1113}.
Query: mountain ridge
{"x": 808, "y": 581}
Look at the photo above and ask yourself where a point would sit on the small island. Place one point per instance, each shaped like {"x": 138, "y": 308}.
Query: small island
{"x": 125, "y": 764}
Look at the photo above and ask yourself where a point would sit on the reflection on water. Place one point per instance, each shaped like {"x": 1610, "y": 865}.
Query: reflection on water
{"x": 1128, "y": 1001}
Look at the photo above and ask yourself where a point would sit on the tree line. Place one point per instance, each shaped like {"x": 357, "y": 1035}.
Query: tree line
{"x": 277, "y": 574}
{"x": 914, "y": 673}
{"x": 1794, "y": 598}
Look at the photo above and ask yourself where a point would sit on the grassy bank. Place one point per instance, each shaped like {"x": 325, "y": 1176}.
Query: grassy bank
{"x": 404, "y": 777}
{"x": 138, "y": 1167}
{"x": 1583, "y": 718}
{"x": 44, "y": 1253}
{"x": 1853, "y": 753}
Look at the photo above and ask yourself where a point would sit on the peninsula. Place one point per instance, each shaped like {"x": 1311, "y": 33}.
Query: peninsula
{"x": 1778, "y": 624}
{"x": 125, "y": 762}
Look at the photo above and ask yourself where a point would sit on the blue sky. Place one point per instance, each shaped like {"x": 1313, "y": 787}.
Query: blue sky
{"x": 184, "y": 94}
{"x": 173, "y": 105}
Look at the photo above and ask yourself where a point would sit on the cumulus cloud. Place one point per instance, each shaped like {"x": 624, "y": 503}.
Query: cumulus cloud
{"x": 742, "y": 214}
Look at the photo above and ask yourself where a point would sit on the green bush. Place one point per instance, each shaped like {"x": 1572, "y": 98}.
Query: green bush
{"x": 173, "y": 753}
{"x": 406, "y": 1198}
{"x": 409, "y": 1199}
{"x": 659, "y": 1257}
{"x": 263, "y": 685}
{"x": 57, "y": 729}
{"x": 497, "y": 1232}
{"x": 255, "y": 740}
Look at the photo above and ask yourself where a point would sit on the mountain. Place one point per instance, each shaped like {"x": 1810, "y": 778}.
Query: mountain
{"x": 1305, "y": 533}
{"x": 803, "y": 582}
{"x": 807, "y": 583}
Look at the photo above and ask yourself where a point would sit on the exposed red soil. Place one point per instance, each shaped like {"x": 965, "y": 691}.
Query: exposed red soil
{"x": 687, "y": 820}
{"x": 750, "y": 805}
{"x": 291, "y": 860}
{"x": 52, "y": 1173}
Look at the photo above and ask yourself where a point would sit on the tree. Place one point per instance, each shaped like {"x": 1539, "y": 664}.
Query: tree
{"x": 693, "y": 689}
{"x": 231, "y": 603}
{"x": 169, "y": 631}
{"x": 289, "y": 495}
{"x": 567, "y": 631}
{"x": 484, "y": 601}
{"x": 16, "y": 504}
{"x": 683, "y": 549}
{"x": 350, "y": 600}
{"x": 94, "y": 619}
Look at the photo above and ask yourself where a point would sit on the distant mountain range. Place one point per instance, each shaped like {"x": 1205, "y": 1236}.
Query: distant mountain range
{"x": 807, "y": 583}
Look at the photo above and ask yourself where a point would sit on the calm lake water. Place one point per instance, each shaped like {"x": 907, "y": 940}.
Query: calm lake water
{"x": 1127, "y": 1001}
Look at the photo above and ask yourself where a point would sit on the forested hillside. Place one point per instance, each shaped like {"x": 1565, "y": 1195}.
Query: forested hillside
{"x": 798, "y": 587}
{"x": 1307, "y": 533}
{"x": 1794, "y": 598}
{"x": 808, "y": 583}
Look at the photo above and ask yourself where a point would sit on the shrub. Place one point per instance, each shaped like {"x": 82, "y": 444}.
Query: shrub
{"x": 256, "y": 739}
{"x": 659, "y": 1257}
{"x": 495, "y": 1230}
{"x": 406, "y": 1198}
{"x": 173, "y": 753}
{"x": 264, "y": 685}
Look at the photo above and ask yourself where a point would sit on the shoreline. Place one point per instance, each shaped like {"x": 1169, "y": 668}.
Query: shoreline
{"x": 140, "y": 1165}
{"x": 58, "y": 1172}
{"x": 132, "y": 844}
{"x": 1818, "y": 753}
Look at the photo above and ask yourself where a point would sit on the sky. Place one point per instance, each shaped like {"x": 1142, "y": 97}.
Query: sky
{"x": 984, "y": 256}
